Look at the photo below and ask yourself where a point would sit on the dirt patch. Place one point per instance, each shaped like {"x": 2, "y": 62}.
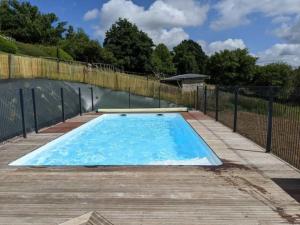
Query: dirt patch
{"x": 227, "y": 166}
{"x": 244, "y": 185}
{"x": 292, "y": 219}
{"x": 256, "y": 187}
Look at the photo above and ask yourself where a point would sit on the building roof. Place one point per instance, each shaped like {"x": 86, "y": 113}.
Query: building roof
{"x": 189, "y": 76}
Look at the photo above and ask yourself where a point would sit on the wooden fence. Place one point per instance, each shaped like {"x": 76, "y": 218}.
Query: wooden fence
{"x": 25, "y": 67}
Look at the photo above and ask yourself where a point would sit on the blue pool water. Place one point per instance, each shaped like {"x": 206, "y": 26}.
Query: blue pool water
{"x": 133, "y": 139}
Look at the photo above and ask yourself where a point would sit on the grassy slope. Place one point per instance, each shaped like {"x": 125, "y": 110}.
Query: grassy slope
{"x": 41, "y": 51}
{"x": 20, "y": 48}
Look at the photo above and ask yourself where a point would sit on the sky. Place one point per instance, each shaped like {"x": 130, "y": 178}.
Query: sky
{"x": 270, "y": 29}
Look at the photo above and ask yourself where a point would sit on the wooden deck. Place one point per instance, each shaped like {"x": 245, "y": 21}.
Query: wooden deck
{"x": 243, "y": 191}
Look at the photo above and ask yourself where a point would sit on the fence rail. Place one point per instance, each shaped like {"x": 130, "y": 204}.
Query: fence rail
{"x": 267, "y": 115}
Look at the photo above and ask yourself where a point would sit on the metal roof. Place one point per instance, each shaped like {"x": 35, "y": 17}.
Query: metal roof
{"x": 186, "y": 77}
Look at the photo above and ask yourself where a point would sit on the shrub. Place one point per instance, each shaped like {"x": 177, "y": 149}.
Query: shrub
{"x": 7, "y": 46}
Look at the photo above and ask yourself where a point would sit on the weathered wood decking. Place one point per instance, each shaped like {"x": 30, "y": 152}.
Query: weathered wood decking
{"x": 240, "y": 192}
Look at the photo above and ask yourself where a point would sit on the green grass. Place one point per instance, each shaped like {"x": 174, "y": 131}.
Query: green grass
{"x": 41, "y": 51}
{"x": 19, "y": 48}
{"x": 7, "y": 46}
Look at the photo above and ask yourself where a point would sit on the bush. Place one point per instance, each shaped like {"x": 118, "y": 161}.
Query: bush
{"x": 7, "y": 46}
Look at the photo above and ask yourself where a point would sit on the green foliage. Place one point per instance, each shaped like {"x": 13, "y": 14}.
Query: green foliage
{"x": 26, "y": 23}
{"x": 56, "y": 53}
{"x": 7, "y": 46}
{"x": 30, "y": 49}
{"x": 231, "y": 67}
{"x": 131, "y": 47}
{"x": 275, "y": 74}
{"x": 189, "y": 58}
{"x": 297, "y": 77}
{"x": 162, "y": 60}
{"x": 42, "y": 51}
{"x": 81, "y": 48}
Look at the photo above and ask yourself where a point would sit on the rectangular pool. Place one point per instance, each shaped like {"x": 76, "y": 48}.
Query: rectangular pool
{"x": 126, "y": 139}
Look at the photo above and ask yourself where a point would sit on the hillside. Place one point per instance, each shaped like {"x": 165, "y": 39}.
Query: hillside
{"x": 11, "y": 46}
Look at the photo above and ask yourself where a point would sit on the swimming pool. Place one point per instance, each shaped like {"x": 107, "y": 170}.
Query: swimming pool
{"x": 125, "y": 139}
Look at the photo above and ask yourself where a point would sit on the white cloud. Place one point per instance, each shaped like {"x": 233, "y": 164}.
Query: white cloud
{"x": 217, "y": 46}
{"x": 236, "y": 12}
{"x": 289, "y": 32}
{"x": 171, "y": 37}
{"x": 230, "y": 44}
{"x": 91, "y": 15}
{"x": 288, "y": 53}
{"x": 164, "y": 20}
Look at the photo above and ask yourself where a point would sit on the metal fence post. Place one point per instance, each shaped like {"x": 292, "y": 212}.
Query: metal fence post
{"x": 62, "y": 105}
{"x": 79, "y": 99}
{"x": 34, "y": 111}
{"x": 159, "y": 96}
{"x": 129, "y": 98}
{"x": 23, "y": 113}
{"x": 217, "y": 103}
{"x": 197, "y": 98}
{"x": 236, "y": 94}
{"x": 92, "y": 98}
{"x": 205, "y": 99}
{"x": 270, "y": 120}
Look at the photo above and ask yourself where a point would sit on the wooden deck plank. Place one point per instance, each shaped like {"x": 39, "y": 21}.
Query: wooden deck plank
{"x": 242, "y": 191}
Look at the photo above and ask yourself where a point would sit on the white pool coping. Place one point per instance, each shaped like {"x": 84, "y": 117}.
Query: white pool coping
{"x": 144, "y": 110}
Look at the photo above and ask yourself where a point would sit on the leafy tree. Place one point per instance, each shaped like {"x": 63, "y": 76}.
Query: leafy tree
{"x": 189, "y": 57}
{"x": 162, "y": 60}
{"x": 25, "y": 23}
{"x": 81, "y": 48}
{"x": 297, "y": 77}
{"x": 231, "y": 67}
{"x": 275, "y": 74}
{"x": 131, "y": 47}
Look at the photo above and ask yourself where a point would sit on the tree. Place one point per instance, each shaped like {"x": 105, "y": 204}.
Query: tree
{"x": 25, "y": 23}
{"x": 131, "y": 47}
{"x": 231, "y": 67}
{"x": 81, "y": 48}
{"x": 297, "y": 77}
{"x": 162, "y": 60}
{"x": 189, "y": 57}
{"x": 275, "y": 74}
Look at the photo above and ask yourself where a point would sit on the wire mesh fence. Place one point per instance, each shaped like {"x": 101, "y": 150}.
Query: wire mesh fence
{"x": 46, "y": 102}
{"x": 269, "y": 116}
{"x": 226, "y": 106}
{"x": 252, "y": 116}
{"x": 286, "y": 126}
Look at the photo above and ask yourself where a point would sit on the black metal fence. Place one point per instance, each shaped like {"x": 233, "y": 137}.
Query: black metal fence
{"x": 26, "y": 110}
{"x": 270, "y": 116}
{"x": 27, "y": 106}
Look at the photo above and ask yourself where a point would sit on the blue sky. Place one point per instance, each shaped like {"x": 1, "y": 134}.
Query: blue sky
{"x": 270, "y": 29}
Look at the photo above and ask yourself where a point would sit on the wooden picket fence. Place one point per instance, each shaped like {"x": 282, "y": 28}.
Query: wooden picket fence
{"x": 26, "y": 67}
